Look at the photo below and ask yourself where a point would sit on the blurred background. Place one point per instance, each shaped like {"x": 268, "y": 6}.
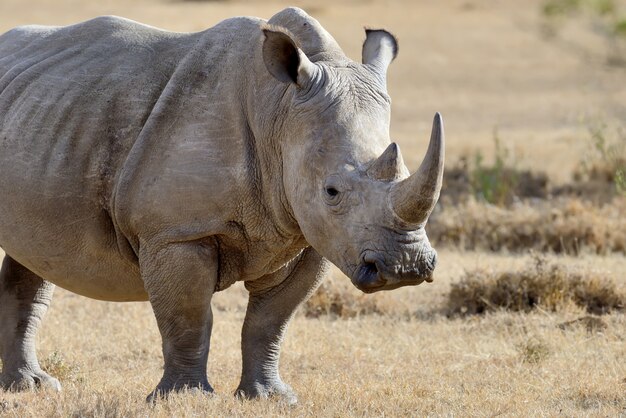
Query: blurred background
{"x": 538, "y": 75}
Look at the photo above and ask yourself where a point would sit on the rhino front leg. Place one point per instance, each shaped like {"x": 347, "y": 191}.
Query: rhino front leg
{"x": 180, "y": 279}
{"x": 268, "y": 314}
{"x": 24, "y": 300}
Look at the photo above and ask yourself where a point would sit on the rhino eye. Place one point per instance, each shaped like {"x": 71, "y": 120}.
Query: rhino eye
{"x": 331, "y": 191}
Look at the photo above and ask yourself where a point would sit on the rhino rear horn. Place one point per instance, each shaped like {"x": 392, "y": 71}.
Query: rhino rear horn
{"x": 389, "y": 166}
{"x": 414, "y": 198}
{"x": 379, "y": 49}
{"x": 283, "y": 59}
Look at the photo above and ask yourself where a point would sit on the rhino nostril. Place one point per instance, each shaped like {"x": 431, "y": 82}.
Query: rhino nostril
{"x": 370, "y": 268}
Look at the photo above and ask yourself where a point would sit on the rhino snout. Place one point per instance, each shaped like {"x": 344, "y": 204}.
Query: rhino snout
{"x": 374, "y": 274}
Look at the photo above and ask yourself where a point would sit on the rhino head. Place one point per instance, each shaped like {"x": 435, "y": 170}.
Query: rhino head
{"x": 344, "y": 180}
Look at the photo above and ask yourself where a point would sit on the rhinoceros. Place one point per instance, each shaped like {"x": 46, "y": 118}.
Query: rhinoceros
{"x": 138, "y": 164}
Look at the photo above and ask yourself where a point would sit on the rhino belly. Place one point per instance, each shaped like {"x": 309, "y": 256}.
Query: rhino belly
{"x": 73, "y": 249}
{"x": 97, "y": 273}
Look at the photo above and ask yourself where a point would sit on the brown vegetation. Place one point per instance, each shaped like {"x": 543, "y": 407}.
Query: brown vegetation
{"x": 569, "y": 226}
{"x": 549, "y": 286}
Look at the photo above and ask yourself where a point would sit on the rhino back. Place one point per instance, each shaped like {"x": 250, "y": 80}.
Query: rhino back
{"x": 71, "y": 95}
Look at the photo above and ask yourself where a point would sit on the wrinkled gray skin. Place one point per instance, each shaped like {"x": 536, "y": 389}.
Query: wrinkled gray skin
{"x": 138, "y": 164}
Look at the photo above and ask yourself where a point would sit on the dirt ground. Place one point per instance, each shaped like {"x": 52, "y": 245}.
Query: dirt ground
{"x": 485, "y": 65}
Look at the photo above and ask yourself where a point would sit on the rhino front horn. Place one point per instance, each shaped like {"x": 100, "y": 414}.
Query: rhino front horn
{"x": 414, "y": 198}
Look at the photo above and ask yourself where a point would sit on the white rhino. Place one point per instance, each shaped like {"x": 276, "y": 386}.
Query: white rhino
{"x": 139, "y": 164}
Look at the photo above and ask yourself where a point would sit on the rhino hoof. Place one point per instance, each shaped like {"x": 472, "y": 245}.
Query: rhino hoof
{"x": 163, "y": 390}
{"x": 25, "y": 381}
{"x": 279, "y": 391}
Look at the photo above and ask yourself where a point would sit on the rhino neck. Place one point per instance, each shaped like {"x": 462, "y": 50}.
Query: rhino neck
{"x": 265, "y": 108}
{"x": 265, "y": 165}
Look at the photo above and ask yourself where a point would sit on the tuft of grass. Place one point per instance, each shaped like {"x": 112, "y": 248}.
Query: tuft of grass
{"x": 549, "y": 286}
{"x": 495, "y": 184}
{"x": 57, "y": 365}
{"x": 594, "y": 400}
{"x": 533, "y": 351}
{"x": 606, "y": 160}
{"x": 501, "y": 183}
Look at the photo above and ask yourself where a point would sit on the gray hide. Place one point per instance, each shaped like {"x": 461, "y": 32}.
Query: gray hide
{"x": 139, "y": 164}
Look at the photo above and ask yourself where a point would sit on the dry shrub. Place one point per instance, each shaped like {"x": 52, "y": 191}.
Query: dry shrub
{"x": 551, "y": 286}
{"x": 335, "y": 300}
{"x": 597, "y": 191}
{"x": 561, "y": 226}
{"x": 599, "y": 177}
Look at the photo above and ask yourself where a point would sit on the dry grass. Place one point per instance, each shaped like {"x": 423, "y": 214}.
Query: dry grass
{"x": 57, "y": 365}
{"x": 549, "y": 286}
{"x": 569, "y": 226}
{"x": 503, "y": 363}
{"x": 108, "y": 357}
{"x": 394, "y": 354}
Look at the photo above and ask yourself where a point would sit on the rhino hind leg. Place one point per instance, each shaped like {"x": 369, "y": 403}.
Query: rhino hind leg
{"x": 268, "y": 314}
{"x": 180, "y": 279}
{"x": 24, "y": 300}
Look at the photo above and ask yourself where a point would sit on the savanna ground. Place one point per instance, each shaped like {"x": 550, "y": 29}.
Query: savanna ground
{"x": 534, "y": 99}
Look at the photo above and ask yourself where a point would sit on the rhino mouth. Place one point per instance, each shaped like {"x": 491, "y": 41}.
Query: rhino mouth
{"x": 367, "y": 278}
{"x": 372, "y": 275}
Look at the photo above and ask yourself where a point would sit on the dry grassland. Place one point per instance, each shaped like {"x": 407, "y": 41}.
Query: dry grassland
{"x": 404, "y": 357}
{"x": 410, "y": 360}
{"x": 433, "y": 349}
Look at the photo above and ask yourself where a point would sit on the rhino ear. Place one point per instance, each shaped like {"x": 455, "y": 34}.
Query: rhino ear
{"x": 379, "y": 49}
{"x": 284, "y": 60}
